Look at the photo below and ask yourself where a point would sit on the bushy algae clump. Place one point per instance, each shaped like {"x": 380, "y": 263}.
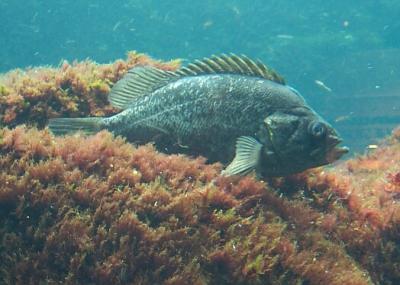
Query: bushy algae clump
{"x": 98, "y": 210}
{"x": 79, "y": 89}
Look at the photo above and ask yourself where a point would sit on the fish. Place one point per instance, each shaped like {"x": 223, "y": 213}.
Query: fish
{"x": 344, "y": 118}
{"x": 322, "y": 85}
{"x": 227, "y": 108}
{"x": 284, "y": 36}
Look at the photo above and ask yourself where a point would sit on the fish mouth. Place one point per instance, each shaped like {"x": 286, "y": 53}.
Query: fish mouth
{"x": 334, "y": 151}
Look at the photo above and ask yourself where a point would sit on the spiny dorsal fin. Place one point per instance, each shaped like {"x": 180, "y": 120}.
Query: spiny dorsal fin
{"x": 233, "y": 64}
{"x": 137, "y": 82}
{"x": 143, "y": 80}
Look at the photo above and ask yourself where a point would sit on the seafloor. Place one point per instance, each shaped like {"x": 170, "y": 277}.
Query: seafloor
{"x": 98, "y": 210}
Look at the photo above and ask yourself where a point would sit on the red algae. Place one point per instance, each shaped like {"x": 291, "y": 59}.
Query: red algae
{"x": 77, "y": 89}
{"x": 98, "y": 210}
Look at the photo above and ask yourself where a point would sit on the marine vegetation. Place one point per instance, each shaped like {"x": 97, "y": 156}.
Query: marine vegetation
{"x": 98, "y": 210}
{"x": 34, "y": 95}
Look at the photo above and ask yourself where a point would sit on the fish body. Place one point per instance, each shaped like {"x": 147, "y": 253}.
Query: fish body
{"x": 202, "y": 114}
{"x": 221, "y": 110}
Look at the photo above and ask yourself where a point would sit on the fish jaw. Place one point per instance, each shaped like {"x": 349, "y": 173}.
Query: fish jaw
{"x": 334, "y": 151}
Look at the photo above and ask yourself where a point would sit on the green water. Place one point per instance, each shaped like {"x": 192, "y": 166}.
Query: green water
{"x": 343, "y": 56}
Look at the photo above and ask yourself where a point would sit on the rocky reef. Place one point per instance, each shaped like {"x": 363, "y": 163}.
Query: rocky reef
{"x": 98, "y": 210}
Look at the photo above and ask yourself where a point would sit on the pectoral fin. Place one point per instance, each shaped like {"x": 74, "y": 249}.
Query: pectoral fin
{"x": 248, "y": 151}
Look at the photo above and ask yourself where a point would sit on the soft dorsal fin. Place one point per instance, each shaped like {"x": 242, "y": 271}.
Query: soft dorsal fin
{"x": 232, "y": 64}
{"x": 143, "y": 80}
{"x": 137, "y": 82}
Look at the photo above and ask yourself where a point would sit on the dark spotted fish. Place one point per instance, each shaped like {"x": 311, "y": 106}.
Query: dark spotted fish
{"x": 227, "y": 108}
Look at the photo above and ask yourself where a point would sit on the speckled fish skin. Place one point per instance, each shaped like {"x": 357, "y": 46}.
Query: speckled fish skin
{"x": 203, "y": 114}
{"x": 227, "y": 108}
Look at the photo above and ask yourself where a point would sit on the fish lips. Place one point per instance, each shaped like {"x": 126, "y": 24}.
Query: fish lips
{"x": 334, "y": 151}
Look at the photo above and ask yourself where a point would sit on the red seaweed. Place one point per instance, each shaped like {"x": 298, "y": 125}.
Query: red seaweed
{"x": 98, "y": 210}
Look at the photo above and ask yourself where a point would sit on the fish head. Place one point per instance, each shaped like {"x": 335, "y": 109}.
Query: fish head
{"x": 297, "y": 139}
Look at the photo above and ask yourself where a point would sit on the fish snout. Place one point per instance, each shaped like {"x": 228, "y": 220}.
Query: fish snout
{"x": 334, "y": 151}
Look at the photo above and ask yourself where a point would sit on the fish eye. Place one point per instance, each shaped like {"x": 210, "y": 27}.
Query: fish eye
{"x": 317, "y": 129}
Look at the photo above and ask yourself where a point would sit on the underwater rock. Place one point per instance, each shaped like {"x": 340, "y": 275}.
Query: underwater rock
{"x": 98, "y": 210}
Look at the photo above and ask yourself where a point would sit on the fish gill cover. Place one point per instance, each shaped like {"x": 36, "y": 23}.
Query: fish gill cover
{"x": 98, "y": 210}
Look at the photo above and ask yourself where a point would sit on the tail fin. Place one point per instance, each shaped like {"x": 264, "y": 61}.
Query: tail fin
{"x": 62, "y": 126}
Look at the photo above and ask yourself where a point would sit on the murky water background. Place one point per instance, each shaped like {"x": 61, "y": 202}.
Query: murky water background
{"x": 343, "y": 56}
